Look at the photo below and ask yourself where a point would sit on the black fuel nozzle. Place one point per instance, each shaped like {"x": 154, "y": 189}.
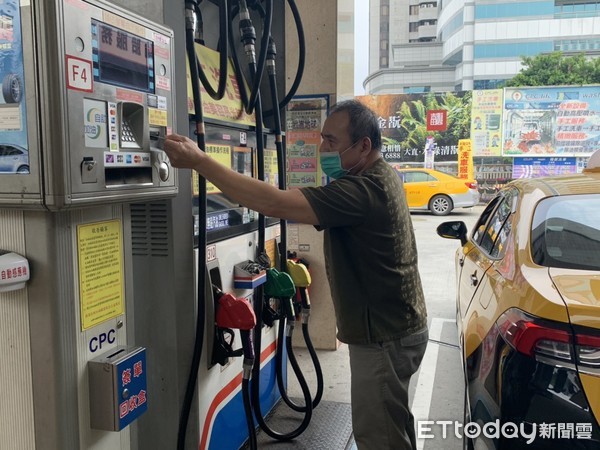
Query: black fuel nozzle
{"x": 223, "y": 346}
{"x": 263, "y": 260}
{"x": 269, "y": 315}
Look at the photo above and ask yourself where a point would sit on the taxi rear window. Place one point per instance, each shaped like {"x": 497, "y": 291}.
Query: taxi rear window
{"x": 566, "y": 232}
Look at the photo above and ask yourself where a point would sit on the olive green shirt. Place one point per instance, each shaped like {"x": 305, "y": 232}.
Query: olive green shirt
{"x": 370, "y": 255}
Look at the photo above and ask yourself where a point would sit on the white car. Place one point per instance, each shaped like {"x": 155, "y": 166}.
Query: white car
{"x": 13, "y": 159}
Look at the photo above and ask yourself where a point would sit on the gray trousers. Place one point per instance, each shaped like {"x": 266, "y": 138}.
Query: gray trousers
{"x": 380, "y": 375}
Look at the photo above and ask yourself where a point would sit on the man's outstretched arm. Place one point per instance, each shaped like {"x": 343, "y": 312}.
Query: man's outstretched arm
{"x": 249, "y": 192}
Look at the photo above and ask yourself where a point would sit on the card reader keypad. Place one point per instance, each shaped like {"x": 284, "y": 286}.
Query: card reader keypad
{"x": 127, "y": 133}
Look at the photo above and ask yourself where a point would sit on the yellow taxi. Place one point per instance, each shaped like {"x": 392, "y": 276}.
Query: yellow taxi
{"x": 528, "y": 313}
{"x": 438, "y": 192}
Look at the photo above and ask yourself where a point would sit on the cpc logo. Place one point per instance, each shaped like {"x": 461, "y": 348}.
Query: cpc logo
{"x": 94, "y": 123}
{"x": 517, "y": 95}
{"x": 105, "y": 338}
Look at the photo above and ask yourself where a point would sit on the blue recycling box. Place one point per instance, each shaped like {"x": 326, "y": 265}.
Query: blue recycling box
{"x": 118, "y": 388}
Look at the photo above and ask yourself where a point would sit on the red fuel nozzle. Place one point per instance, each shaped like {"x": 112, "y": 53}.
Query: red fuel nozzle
{"x": 235, "y": 313}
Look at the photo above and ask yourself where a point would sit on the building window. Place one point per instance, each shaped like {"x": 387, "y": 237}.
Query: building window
{"x": 577, "y": 45}
{"x": 567, "y": 9}
{"x": 383, "y": 62}
{"x": 414, "y": 10}
{"x": 413, "y": 26}
{"x": 488, "y": 84}
{"x": 384, "y": 44}
{"x": 416, "y": 89}
{"x": 512, "y": 50}
{"x": 514, "y": 9}
{"x": 385, "y": 10}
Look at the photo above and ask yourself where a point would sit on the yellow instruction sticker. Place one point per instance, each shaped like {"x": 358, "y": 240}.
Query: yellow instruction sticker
{"x": 100, "y": 254}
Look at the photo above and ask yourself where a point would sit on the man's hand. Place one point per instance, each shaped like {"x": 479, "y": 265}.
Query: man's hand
{"x": 247, "y": 191}
{"x": 183, "y": 153}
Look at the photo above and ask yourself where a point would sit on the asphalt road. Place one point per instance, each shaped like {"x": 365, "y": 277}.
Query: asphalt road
{"x": 438, "y": 388}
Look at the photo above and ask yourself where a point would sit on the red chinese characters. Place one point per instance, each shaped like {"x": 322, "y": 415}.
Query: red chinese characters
{"x": 132, "y": 403}
{"x": 437, "y": 120}
{"x": 13, "y": 272}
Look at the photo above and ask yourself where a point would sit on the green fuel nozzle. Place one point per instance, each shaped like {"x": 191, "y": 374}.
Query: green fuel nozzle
{"x": 279, "y": 284}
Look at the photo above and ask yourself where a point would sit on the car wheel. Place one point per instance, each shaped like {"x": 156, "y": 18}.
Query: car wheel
{"x": 12, "y": 88}
{"x": 23, "y": 169}
{"x": 440, "y": 205}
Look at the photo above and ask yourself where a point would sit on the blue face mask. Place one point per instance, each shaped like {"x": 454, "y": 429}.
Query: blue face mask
{"x": 331, "y": 163}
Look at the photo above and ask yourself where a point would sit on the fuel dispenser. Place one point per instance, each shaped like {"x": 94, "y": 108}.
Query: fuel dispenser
{"x": 230, "y": 126}
{"x": 87, "y": 97}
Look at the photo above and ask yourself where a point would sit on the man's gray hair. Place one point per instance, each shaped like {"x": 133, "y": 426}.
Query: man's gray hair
{"x": 363, "y": 121}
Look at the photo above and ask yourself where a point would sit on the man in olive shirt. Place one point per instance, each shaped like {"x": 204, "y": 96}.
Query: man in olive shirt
{"x": 371, "y": 260}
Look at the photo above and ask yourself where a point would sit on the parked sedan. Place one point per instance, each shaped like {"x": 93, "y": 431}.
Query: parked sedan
{"x": 438, "y": 192}
{"x": 13, "y": 159}
{"x": 528, "y": 312}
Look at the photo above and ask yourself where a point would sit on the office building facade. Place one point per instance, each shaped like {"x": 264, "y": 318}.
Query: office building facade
{"x": 477, "y": 45}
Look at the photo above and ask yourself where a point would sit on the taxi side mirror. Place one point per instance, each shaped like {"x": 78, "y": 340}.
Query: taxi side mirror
{"x": 453, "y": 230}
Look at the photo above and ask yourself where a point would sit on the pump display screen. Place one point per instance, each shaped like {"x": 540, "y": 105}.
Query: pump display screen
{"x": 221, "y": 212}
{"x": 122, "y": 58}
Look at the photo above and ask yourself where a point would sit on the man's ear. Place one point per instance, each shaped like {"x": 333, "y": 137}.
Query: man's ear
{"x": 365, "y": 145}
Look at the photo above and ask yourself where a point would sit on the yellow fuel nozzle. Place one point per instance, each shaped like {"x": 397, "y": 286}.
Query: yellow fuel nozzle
{"x": 299, "y": 273}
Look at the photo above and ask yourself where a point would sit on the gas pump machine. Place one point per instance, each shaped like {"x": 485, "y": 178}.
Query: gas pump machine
{"x": 87, "y": 97}
{"x": 94, "y": 85}
{"x": 96, "y": 348}
{"x": 237, "y": 249}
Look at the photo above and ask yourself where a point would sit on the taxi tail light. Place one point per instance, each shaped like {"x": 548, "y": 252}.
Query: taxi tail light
{"x": 587, "y": 349}
{"x": 471, "y": 184}
{"x": 536, "y": 337}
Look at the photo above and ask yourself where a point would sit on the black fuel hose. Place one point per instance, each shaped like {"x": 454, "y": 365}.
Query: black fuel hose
{"x": 279, "y": 361}
{"x": 259, "y": 291}
{"x": 301, "y": 57}
{"x": 256, "y": 388}
{"x": 258, "y": 311}
{"x": 316, "y": 363}
{"x": 309, "y": 345}
{"x": 223, "y": 52}
{"x": 201, "y": 281}
{"x": 249, "y": 358}
{"x": 292, "y": 357}
{"x": 280, "y": 146}
{"x": 272, "y": 72}
{"x": 301, "y": 60}
{"x": 248, "y": 36}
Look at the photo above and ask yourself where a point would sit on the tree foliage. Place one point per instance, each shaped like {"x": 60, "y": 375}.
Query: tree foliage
{"x": 555, "y": 69}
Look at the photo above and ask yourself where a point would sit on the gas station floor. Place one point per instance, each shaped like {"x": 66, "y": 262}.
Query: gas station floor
{"x": 331, "y": 425}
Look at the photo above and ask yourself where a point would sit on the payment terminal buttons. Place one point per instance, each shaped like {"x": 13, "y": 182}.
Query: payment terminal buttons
{"x": 113, "y": 140}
